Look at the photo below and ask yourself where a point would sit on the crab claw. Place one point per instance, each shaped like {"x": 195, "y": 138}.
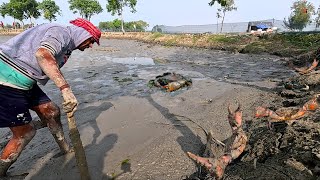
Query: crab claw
{"x": 235, "y": 118}
{"x": 200, "y": 160}
{"x": 312, "y": 104}
{"x": 217, "y": 168}
{"x": 306, "y": 70}
{"x": 261, "y": 112}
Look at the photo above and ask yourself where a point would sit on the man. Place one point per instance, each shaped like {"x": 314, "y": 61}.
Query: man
{"x": 32, "y": 57}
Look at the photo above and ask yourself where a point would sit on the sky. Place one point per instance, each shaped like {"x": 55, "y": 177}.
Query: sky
{"x": 182, "y": 12}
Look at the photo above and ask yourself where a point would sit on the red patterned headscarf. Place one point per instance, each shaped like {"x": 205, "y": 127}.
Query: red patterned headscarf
{"x": 87, "y": 25}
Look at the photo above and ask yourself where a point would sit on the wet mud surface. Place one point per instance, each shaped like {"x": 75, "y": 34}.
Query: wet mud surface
{"x": 130, "y": 131}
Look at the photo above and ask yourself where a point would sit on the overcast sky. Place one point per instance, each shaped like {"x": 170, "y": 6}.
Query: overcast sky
{"x": 184, "y": 12}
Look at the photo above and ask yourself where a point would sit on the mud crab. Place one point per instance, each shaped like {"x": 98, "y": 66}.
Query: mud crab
{"x": 221, "y": 155}
{"x": 288, "y": 114}
{"x": 305, "y": 70}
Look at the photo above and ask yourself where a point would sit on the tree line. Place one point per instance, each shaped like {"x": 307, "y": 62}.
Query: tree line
{"x": 21, "y": 10}
{"x": 115, "y": 25}
{"x": 302, "y": 12}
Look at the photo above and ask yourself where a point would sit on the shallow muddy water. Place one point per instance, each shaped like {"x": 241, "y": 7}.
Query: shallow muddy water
{"x": 136, "y": 62}
{"x": 120, "y": 117}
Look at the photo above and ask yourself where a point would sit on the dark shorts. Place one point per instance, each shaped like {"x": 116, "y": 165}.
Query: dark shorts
{"x": 15, "y": 104}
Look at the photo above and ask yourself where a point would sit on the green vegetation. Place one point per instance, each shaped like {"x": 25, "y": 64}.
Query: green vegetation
{"x": 49, "y": 9}
{"x": 221, "y": 2}
{"x": 115, "y": 25}
{"x": 301, "y": 45}
{"x": 156, "y": 35}
{"x": 86, "y": 8}
{"x": 117, "y": 6}
{"x": 224, "y": 39}
{"x": 20, "y": 9}
{"x": 172, "y": 42}
{"x": 301, "y": 15}
{"x": 226, "y": 6}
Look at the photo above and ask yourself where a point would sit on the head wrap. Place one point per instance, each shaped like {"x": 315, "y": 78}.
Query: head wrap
{"x": 87, "y": 25}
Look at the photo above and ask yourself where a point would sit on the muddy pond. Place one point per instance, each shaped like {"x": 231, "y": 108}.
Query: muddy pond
{"x": 121, "y": 119}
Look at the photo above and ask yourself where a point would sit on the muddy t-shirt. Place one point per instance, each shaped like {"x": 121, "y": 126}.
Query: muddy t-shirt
{"x": 59, "y": 40}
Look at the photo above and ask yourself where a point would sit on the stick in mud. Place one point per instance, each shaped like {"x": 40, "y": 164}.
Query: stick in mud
{"x": 78, "y": 148}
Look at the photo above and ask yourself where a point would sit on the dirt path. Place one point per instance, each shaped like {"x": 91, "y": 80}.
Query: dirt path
{"x": 121, "y": 120}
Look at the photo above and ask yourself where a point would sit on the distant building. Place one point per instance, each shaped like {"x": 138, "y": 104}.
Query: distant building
{"x": 256, "y": 25}
{"x": 239, "y": 27}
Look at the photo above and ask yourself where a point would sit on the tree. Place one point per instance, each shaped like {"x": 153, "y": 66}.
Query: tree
{"x": 221, "y": 2}
{"x": 218, "y": 17}
{"x": 226, "y": 6}
{"x": 30, "y": 9}
{"x": 301, "y": 15}
{"x": 141, "y": 25}
{"x": 49, "y": 9}
{"x": 317, "y": 19}
{"x": 116, "y": 7}
{"x": 114, "y": 25}
{"x": 86, "y": 8}
{"x": 20, "y": 9}
{"x": 10, "y": 10}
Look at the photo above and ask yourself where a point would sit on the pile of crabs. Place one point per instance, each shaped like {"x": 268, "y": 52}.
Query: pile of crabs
{"x": 287, "y": 147}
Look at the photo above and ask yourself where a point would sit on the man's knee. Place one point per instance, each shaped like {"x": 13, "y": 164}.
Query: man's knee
{"x": 55, "y": 114}
{"x": 48, "y": 111}
{"x": 52, "y": 111}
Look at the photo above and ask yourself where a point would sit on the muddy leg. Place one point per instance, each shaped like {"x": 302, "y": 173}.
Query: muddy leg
{"x": 22, "y": 135}
{"x": 49, "y": 113}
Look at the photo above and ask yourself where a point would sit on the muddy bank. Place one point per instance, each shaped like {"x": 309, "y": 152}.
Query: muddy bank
{"x": 299, "y": 47}
{"x": 121, "y": 119}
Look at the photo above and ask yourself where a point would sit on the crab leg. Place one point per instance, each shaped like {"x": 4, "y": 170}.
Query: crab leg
{"x": 311, "y": 105}
{"x": 234, "y": 147}
{"x": 307, "y": 70}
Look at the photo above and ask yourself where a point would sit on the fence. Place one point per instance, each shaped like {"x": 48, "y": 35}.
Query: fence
{"x": 239, "y": 27}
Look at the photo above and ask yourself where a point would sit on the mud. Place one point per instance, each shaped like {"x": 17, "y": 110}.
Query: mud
{"x": 121, "y": 119}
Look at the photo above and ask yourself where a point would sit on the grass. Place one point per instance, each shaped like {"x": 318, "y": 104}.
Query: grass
{"x": 281, "y": 44}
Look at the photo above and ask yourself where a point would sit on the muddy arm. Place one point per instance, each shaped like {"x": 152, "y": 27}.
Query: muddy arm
{"x": 50, "y": 67}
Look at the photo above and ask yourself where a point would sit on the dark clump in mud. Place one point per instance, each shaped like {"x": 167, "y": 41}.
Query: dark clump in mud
{"x": 170, "y": 81}
{"x": 285, "y": 150}
{"x": 289, "y": 150}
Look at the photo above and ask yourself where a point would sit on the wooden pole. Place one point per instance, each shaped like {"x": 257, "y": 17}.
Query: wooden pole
{"x": 78, "y": 148}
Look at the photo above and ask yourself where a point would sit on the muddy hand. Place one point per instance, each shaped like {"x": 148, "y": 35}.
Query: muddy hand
{"x": 70, "y": 102}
